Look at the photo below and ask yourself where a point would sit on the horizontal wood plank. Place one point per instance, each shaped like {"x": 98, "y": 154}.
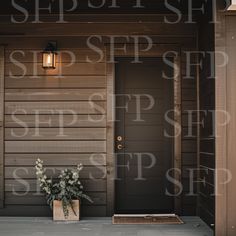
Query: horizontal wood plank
{"x": 207, "y": 145}
{"x": 50, "y": 81}
{"x": 101, "y": 18}
{"x": 85, "y": 29}
{"x": 81, "y": 42}
{"x": 81, "y": 107}
{"x": 189, "y": 146}
{"x": 26, "y": 172}
{"x": 19, "y": 70}
{"x": 207, "y": 159}
{"x": 54, "y": 146}
{"x": 54, "y": 94}
{"x": 55, "y": 121}
{"x": 31, "y": 198}
{"x": 60, "y": 159}
{"x": 31, "y": 185}
{"x": 42, "y": 211}
{"x": 189, "y": 159}
{"x": 55, "y": 133}
{"x": 63, "y": 56}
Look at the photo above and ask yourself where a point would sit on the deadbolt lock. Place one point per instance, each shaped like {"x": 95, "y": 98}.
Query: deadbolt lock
{"x": 119, "y": 138}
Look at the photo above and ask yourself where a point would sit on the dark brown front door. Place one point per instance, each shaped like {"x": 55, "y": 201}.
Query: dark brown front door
{"x": 144, "y": 152}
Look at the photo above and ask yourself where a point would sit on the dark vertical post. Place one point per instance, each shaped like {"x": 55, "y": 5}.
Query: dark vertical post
{"x": 1, "y": 126}
{"x": 178, "y": 123}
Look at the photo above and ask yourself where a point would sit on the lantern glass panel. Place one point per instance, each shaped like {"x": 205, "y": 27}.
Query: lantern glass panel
{"x": 49, "y": 60}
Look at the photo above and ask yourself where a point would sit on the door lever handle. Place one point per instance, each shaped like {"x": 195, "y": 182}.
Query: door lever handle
{"x": 119, "y": 146}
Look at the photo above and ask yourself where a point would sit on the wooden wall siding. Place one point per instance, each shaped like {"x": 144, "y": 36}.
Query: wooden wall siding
{"x": 72, "y": 91}
{"x": 83, "y": 141}
{"x": 206, "y": 200}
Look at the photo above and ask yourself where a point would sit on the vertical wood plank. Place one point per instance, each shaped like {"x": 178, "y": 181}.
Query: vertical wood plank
{"x": 177, "y": 139}
{"x": 110, "y": 137}
{"x": 1, "y": 126}
{"x": 198, "y": 136}
{"x": 231, "y": 126}
{"x": 221, "y": 131}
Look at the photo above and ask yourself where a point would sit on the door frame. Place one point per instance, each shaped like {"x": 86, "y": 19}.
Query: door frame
{"x": 158, "y": 50}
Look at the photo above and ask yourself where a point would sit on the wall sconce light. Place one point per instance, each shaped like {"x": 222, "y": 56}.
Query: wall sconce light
{"x": 49, "y": 55}
{"x": 232, "y": 5}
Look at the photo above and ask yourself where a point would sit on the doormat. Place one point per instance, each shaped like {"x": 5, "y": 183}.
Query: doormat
{"x": 147, "y": 219}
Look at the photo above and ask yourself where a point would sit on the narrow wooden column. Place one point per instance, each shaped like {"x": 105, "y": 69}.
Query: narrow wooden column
{"x": 1, "y": 126}
{"x": 110, "y": 72}
{"x": 177, "y": 139}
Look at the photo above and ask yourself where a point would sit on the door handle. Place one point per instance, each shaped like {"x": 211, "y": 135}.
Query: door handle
{"x": 119, "y": 146}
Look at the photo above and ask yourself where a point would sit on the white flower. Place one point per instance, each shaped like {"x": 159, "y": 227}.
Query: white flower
{"x": 39, "y": 172}
{"x": 75, "y": 175}
{"x": 38, "y": 161}
{"x": 71, "y": 182}
{"x": 80, "y": 167}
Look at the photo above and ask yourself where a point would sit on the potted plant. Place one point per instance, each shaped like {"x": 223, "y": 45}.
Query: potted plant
{"x": 63, "y": 195}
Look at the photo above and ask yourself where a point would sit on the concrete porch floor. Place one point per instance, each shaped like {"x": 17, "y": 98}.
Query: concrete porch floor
{"x": 30, "y": 226}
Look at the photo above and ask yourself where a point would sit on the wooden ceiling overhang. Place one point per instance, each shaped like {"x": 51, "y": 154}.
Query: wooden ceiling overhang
{"x": 18, "y": 7}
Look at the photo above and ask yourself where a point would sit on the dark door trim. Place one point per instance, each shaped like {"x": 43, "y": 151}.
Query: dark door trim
{"x": 158, "y": 50}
